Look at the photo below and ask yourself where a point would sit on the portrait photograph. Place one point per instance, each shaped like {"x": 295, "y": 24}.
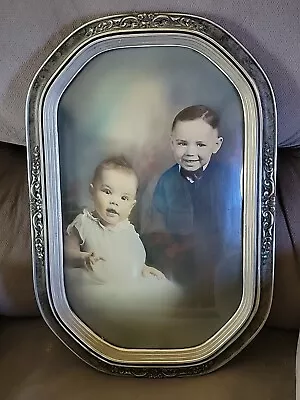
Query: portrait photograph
{"x": 151, "y": 167}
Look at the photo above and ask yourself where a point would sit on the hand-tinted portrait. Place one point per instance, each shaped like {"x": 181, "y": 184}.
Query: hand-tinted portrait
{"x": 151, "y": 150}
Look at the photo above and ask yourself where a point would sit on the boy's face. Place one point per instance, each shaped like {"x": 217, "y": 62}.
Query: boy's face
{"x": 193, "y": 143}
{"x": 114, "y": 195}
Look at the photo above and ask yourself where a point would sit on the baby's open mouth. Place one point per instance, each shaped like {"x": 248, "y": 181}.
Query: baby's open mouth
{"x": 112, "y": 211}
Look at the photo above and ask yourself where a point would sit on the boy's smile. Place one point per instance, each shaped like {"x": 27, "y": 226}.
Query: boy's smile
{"x": 193, "y": 143}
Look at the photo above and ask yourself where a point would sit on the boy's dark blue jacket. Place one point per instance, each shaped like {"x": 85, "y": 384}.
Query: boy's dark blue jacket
{"x": 203, "y": 225}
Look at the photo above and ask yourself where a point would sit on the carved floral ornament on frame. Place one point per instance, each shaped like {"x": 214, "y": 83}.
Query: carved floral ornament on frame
{"x": 152, "y": 145}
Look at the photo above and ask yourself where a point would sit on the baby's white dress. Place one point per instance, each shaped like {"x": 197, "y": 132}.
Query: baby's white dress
{"x": 114, "y": 299}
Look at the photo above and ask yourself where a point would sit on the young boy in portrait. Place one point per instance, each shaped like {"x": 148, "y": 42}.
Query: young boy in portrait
{"x": 189, "y": 201}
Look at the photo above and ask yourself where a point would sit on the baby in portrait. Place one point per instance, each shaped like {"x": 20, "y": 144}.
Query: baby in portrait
{"x": 103, "y": 240}
{"x": 108, "y": 284}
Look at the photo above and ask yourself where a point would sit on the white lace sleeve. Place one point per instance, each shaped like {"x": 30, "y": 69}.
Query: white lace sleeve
{"x": 78, "y": 225}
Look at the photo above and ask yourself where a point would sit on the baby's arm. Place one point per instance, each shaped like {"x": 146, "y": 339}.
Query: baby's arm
{"x": 74, "y": 254}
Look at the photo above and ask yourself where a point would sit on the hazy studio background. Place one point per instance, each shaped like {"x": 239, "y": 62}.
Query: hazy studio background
{"x": 124, "y": 102}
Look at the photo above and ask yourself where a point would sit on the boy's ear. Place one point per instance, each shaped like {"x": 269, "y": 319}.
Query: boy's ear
{"x": 91, "y": 189}
{"x": 218, "y": 144}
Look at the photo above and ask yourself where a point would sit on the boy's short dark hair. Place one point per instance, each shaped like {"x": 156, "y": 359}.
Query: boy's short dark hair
{"x": 197, "y": 111}
{"x": 115, "y": 162}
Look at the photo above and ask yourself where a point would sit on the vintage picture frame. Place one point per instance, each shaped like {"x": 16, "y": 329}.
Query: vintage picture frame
{"x": 152, "y": 159}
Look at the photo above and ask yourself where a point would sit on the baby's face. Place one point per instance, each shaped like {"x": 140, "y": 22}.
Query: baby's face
{"x": 193, "y": 143}
{"x": 114, "y": 195}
